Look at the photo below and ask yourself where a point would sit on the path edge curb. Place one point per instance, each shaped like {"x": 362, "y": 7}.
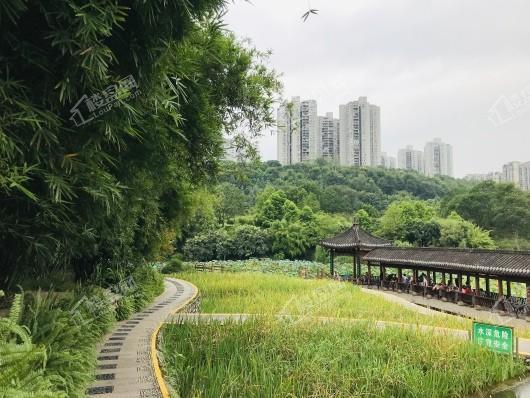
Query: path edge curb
{"x": 155, "y": 363}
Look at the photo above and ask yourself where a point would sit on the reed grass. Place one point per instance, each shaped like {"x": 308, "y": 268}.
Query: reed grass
{"x": 265, "y": 357}
{"x": 256, "y": 293}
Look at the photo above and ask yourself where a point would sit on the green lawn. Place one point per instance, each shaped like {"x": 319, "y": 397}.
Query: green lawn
{"x": 270, "y": 358}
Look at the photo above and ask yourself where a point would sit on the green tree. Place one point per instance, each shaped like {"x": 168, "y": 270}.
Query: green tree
{"x": 364, "y": 219}
{"x": 290, "y": 240}
{"x": 250, "y": 241}
{"x": 423, "y": 233}
{"x": 400, "y": 217}
{"x": 457, "y": 232}
{"x": 231, "y": 202}
{"x": 112, "y": 188}
{"x": 502, "y": 208}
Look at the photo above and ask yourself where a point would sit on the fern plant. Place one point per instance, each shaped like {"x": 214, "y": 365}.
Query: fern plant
{"x": 22, "y": 363}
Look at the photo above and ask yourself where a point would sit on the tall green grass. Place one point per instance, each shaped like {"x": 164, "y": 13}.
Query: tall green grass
{"x": 270, "y": 358}
{"x": 257, "y": 293}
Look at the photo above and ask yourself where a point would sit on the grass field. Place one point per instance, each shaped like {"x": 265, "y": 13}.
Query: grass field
{"x": 256, "y": 293}
{"x": 270, "y": 358}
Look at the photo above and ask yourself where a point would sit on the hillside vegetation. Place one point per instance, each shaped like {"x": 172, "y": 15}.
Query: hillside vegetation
{"x": 268, "y": 210}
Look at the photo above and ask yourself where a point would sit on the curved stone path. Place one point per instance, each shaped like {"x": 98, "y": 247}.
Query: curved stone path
{"x": 125, "y": 367}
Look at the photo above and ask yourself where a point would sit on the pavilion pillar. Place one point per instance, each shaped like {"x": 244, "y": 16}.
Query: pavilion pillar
{"x": 399, "y": 274}
{"x": 331, "y": 265}
{"x": 459, "y": 286}
{"x": 487, "y": 284}
{"x": 443, "y": 278}
{"x": 359, "y": 272}
{"x": 500, "y": 287}
{"x": 369, "y": 270}
{"x": 477, "y": 291}
{"x": 354, "y": 268}
{"x": 434, "y": 277}
{"x": 508, "y": 288}
{"x": 527, "y": 298}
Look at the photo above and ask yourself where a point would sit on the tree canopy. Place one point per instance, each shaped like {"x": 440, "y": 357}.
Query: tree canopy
{"x": 110, "y": 189}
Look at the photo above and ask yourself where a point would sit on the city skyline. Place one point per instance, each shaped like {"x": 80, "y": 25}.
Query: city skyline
{"x": 515, "y": 172}
{"x": 354, "y": 139}
{"x": 448, "y": 82}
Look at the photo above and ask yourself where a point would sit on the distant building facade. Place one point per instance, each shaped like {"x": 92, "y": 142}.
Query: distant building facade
{"x": 493, "y": 176}
{"x": 352, "y": 140}
{"x": 511, "y": 172}
{"x": 329, "y": 137}
{"x": 298, "y": 131}
{"x": 360, "y": 133}
{"x": 438, "y": 159}
{"x": 524, "y": 170}
{"x": 388, "y": 162}
{"x": 410, "y": 159}
{"x": 517, "y": 173}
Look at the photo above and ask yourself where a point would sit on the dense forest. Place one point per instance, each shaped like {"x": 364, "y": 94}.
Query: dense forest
{"x": 258, "y": 209}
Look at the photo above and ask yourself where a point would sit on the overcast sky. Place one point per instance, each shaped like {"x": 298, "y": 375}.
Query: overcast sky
{"x": 454, "y": 69}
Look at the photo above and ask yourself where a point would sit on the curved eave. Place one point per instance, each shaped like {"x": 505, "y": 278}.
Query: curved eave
{"x": 332, "y": 245}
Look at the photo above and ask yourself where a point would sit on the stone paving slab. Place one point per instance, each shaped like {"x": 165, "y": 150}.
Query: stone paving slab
{"x": 124, "y": 367}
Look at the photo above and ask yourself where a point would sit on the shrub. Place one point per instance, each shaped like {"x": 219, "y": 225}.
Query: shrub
{"x": 174, "y": 265}
{"x": 148, "y": 284}
{"x": 124, "y": 307}
{"x": 22, "y": 363}
{"x": 69, "y": 328}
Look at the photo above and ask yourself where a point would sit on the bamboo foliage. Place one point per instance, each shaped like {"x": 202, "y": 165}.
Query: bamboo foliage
{"x": 78, "y": 196}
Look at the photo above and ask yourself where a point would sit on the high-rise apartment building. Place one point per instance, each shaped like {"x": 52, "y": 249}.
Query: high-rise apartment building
{"x": 298, "y": 131}
{"x": 524, "y": 176}
{"x": 388, "y": 162}
{"x": 410, "y": 159}
{"x": 360, "y": 134}
{"x": 511, "y": 172}
{"x": 517, "y": 173}
{"x": 438, "y": 159}
{"x": 329, "y": 137}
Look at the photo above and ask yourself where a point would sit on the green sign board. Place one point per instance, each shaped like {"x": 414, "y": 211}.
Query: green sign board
{"x": 494, "y": 337}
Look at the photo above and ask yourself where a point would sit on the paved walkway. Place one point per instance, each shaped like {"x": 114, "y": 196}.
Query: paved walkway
{"x": 124, "y": 367}
{"x": 436, "y": 305}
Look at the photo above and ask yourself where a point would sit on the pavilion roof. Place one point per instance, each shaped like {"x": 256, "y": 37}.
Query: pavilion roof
{"x": 354, "y": 238}
{"x": 478, "y": 261}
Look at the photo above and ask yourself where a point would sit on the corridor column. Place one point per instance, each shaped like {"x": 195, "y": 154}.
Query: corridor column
{"x": 477, "y": 292}
{"x": 331, "y": 265}
{"x": 500, "y": 287}
{"x": 527, "y": 300}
